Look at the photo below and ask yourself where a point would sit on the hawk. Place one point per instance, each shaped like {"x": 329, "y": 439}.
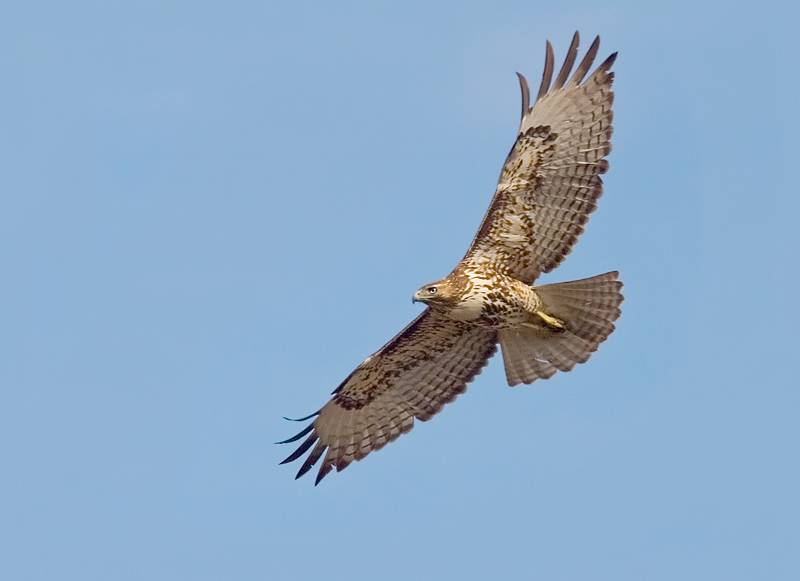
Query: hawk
{"x": 549, "y": 185}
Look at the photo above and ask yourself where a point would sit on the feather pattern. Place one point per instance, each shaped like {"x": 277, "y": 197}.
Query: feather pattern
{"x": 551, "y": 181}
{"x": 413, "y": 376}
{"x": 547, "y": 189}
{"x": 588, "y": 309}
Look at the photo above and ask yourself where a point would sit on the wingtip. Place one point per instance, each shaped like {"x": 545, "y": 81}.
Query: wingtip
{"x": 312, "y": 459}
{"x": 547, "y": 74}
{"x": 308, "y": 417}
{"x": 569, "y": 61}
{"x": 586, "y": 63}
{"x": 298, "y": 436}
{"x": 526, "y": 94}
{"x": 609, "y": 61}
{"x": 307, "y": 443}
{"x": 323, "y": 472}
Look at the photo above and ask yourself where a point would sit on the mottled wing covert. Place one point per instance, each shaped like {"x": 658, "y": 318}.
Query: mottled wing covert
{"x": 413, "y": 376}
{"x": 551, "y": 179}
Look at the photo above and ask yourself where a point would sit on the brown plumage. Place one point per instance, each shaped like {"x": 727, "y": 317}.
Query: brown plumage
{"x": 549, "y": 185}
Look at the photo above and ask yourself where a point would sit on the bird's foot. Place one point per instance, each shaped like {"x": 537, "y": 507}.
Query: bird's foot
{"x": 551, "y": 321}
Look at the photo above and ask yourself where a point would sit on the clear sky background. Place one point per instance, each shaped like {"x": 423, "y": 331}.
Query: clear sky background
{"x": 209, "y": 215}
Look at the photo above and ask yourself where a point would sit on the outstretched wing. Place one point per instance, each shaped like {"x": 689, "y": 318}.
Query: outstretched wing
{"x": 413, "y": 376}
{"x": 551, "y": 179}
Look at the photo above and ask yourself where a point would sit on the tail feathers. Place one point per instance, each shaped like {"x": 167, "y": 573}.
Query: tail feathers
{"x": 522, "y": 356}
{"x": 588, "y": 309}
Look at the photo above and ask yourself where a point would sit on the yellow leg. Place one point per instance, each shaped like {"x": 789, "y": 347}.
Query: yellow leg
{"x": 552, "y": 321}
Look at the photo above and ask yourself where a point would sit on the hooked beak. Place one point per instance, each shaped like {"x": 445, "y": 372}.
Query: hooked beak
{"x": 417, "y": 298}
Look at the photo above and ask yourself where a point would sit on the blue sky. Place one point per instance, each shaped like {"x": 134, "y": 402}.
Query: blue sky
{"x": 209, "y": 215}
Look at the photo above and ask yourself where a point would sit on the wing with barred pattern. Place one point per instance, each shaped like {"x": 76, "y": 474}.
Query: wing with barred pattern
{"x": 551, "y": 181}
{"x": 413, "y": 376}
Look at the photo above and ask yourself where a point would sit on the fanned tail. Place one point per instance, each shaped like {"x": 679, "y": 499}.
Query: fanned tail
{"x": 587, "y": 308}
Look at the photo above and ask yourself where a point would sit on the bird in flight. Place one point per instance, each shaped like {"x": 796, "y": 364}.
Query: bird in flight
{"x": 548, "y": 187}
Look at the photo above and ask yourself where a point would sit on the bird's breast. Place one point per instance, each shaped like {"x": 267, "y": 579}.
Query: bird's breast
{"x": 495, "y": 300}
{"x": 468, "y": 309}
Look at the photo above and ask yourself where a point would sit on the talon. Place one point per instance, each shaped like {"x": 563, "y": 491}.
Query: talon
{"x": 552, "y": 321}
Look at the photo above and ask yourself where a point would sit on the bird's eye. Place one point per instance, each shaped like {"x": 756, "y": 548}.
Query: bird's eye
{"x": 432, "y": 290}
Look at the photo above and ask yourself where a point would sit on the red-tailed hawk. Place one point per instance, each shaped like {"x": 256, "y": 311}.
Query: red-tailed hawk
{"x": 549, "y": 185}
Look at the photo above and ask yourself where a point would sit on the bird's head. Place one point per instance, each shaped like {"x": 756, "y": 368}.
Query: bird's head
{"x": 436, "y": 294}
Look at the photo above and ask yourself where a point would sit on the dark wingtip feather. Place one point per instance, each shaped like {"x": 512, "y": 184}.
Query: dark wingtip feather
{"x": 608, "y": 62}
{"x": 298, "y": 436}
{"x": 572, "y": 53}
{"x": 526, "y": 95}
{"x": 311, "y": 460}
{"x": 586, "y": 63}
{"x": 547, "y": 76}
{"x": 302, "y": 449}
{"x": 324, "y": 470}
{"x": 302, "y": 419}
